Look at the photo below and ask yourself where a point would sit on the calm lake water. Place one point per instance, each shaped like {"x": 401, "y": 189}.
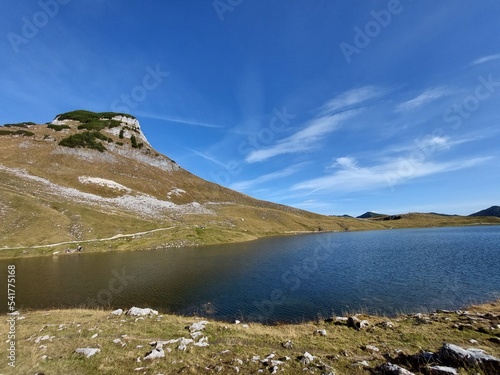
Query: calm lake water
{"x": 277, "y": 279}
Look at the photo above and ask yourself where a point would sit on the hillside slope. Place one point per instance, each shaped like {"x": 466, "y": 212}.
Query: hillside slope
{"x": 492, "y": 211}
{"x": 88, "y": 176}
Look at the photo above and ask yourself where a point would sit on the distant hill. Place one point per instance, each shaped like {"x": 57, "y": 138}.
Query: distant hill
{"x": 439, "y": 214}
{"x": 492, "y": 211}
{"x": 370, "y": 215}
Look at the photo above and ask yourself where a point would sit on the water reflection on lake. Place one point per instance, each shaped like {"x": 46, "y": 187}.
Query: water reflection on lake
{"x": 278, "y": 279}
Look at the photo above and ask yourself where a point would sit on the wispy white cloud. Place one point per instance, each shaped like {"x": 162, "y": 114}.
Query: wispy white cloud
{"x": 431, "y": 143}
{"x": 208, "y": 157}
{"x": 179, "y": 120}
{"x": 426, "y": 97}
{"x": 331, "y": 114}
{"x": 484, "y": 59}
{"x": 353, "y": 97}
{"x": 304, "y": 139}
{"x": 244, "y": 185}
{"x": 350, "y": 177}
{"x": 345, "y": 162}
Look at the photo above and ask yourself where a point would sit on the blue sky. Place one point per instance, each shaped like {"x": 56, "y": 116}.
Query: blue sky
{"x": 337, "y": 107}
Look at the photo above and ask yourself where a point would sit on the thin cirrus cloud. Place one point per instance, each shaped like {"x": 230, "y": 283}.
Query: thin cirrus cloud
{"x": 303, "y": 140}
{"x": 426, "y": 97}
{"x": 353, "y": 97}
{"x": 349, "y": 176}
{"x": 485, "y": 59}
{"x": 333, "y": 113}
{"x": 244, "y": 185}
{"x": 179, "y": 120}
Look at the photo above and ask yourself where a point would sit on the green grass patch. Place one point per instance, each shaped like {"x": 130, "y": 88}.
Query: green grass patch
{"x": 58, "y": 128}
{"x": 88, "y": 116}
{"x": 24, "y": 133}
{"x": 19, "y": 125}
{"x": 85, "y": 140}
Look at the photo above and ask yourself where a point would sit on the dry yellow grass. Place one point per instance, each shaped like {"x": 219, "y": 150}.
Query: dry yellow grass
{"x": 230, "y": 345}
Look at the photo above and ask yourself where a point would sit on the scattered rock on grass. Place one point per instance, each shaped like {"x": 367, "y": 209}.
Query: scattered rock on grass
{"x": 198, "y": 326}
{"x": 43, "y": 338}
{"x": 319, "y": 332}
{"x": 442, "y": 370}
{"x": 371, "y": 349}
{"x": 306, "y": 358}
{"x": 154, "y": 354}
{"x": 137, "y": 311}
{"x": 87, "y": 352}
{"x": 287, "y": 345}
{"x": 357, "y": 324}
{"x": 361, "y": 364}
{"x": 392, "y": 369}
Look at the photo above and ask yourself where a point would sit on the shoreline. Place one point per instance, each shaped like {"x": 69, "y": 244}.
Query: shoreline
{"x": 11, "y": 253}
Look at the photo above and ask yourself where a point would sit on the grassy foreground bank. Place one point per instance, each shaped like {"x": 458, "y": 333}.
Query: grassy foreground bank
{"x": 46, "y": 342}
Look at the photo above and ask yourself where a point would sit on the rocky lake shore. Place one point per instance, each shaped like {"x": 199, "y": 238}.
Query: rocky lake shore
{"x": 144, "y": 341}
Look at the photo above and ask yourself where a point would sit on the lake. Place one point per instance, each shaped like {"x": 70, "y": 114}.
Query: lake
{"x": 279, "y": 279}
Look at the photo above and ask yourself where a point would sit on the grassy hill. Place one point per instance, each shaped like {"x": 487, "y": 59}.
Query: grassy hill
{"x": 94, "y": 178}
{"x": 492, "y": 211}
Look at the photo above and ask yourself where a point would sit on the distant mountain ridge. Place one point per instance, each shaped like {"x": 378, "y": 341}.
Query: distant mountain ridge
{"x": 492, "y": 211}
{"x": 370, "y": 215}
